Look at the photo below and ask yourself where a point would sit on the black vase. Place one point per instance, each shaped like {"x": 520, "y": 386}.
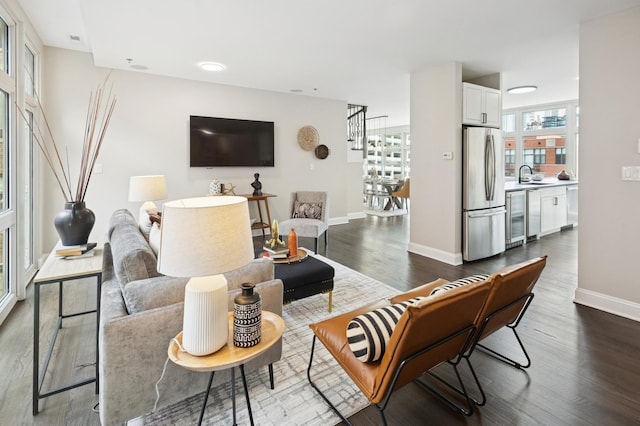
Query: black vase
{"x": 247, "y": 317}
{"x": 74, "y": 223}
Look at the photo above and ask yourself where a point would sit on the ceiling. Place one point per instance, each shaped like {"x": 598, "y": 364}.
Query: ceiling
{"x": 359, "y": 51}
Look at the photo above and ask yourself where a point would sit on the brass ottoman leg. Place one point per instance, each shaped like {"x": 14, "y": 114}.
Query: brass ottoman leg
{"x": 330, "y": 300}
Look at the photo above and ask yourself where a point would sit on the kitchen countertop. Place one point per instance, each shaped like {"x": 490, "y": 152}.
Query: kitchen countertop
{"x": 544, "y": 183}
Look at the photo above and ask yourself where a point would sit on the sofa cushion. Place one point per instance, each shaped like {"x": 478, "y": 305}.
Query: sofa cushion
{"x": 144, "y": 222}
{"x": 150, "y": 293}
{"x": 154, "y": 238}
{"x": 133, "y": 258}
{"x": 119, "y": 217}
{"x": 459, "y": 283}
{"x": 368, "y": 334}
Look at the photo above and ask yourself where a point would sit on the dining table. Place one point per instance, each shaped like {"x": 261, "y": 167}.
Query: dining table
{"x": 392, "y": 186}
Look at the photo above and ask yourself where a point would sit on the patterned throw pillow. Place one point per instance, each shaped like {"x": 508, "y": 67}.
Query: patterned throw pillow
{"x": 459, "y": 283}
{"x": 307, "y": 210}
{"x": 368, "y": 334}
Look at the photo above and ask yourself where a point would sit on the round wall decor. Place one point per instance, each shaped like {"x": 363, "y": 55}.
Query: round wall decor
{"x": 322, "y": 152}
{"x": 308, "y": 138}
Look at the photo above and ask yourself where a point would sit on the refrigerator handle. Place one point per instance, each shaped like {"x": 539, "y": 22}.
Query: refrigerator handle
{"x": 489, "y": 168}
{"x": 490, "y": 214}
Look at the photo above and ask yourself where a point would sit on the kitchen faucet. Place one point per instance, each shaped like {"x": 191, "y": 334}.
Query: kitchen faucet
{"x": 520, "y": 172}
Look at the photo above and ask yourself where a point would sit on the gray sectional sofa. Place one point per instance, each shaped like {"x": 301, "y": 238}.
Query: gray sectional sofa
{"x": 141, "y": 310}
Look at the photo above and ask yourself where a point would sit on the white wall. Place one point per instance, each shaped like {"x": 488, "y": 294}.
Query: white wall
{"x": 436, "y": 127}
{"x": 149, "y": 134}
{"x": 609, "y": 231}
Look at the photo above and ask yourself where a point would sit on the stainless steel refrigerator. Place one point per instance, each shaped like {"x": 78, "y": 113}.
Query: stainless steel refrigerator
{"x": 483, "y": 198}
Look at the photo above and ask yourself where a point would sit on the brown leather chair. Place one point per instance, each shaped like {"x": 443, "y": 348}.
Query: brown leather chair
{"x": 432, "y": 331}
{"x": 509, "y": 298}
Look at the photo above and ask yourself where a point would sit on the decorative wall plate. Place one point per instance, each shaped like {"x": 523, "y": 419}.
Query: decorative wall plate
{"x": 308, "y": 138}
{"x": 322, "y": 152}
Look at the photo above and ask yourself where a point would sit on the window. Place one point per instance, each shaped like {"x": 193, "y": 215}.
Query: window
{"x": 30, "y": 71}
{"x": 28, "y": 205}
{"x": 552, "y": 118}
{"x": 4, "y": 255}
{"x": 509, "y": 123}
{"x": 542, "y": 137}
{"x": 4, "y": 45}
{"x": 388, "y": 155}
{"x": 6, "y": 220}
{"x": 18, "y": 213}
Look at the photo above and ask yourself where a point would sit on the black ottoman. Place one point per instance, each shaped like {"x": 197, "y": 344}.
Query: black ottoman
{"x": 306, "y": 278}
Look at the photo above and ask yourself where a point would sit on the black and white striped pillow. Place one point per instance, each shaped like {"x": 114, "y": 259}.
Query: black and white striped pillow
{"x": 459, "y": 283}
{"x": 368, "y": 334}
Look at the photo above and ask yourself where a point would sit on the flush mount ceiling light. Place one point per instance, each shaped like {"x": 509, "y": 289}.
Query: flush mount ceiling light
{"x": 211, "y": 66}
{"x": 522, "y": 89}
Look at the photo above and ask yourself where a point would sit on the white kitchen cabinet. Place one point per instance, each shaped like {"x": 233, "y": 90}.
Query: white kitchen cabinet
{"x": 481, "y": 106}
{"x": 572, "y": 205}
{"x": 553, "y": 209}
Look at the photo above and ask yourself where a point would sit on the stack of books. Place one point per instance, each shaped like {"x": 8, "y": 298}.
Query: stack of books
{"x": 280, "y": 252}
{"x": 72, "y": 252}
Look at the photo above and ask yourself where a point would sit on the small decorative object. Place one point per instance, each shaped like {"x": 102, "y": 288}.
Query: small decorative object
{"x": 75, "y": 215}
{"x": 293, "y": 243}
{"x": 74, "y": 223}
{"x": 227, "y": 189}
{"x": 247, "y": 317}
{"x": 275, "y": 240}
{"x": 205, "y": 306}
{"x": 308, "y": 138}
{"x": 215, "y": 187}
{"x": 563, "y": 175}
{"x": 257, "y": 186}
{"x": 322, "y": 152}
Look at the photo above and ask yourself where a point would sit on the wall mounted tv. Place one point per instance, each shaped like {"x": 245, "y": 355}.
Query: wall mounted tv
{"x": 227, "y": 142}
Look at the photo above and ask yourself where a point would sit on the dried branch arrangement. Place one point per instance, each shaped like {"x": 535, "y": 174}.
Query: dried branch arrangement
{"x": 99, "y": 114}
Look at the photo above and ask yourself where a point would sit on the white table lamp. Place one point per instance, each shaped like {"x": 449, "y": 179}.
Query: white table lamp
{"x": 148, "y": 189}
{"x": 203, "y": 238}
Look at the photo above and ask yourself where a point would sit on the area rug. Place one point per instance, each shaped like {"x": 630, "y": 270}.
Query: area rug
{"x": 293, "y": 402}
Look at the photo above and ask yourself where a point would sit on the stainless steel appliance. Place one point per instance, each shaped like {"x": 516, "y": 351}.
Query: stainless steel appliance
{"x": 483, "y": 197}
{"x": 516, "y": 216}
{"x": 533, "y": 214}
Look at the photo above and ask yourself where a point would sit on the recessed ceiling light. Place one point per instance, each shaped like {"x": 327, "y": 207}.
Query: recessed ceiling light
{"x": 296, "y": 90}
{"x": 522, "y": 89}
{"x": 211, "y": 66}
{"x": 139, "y": 67}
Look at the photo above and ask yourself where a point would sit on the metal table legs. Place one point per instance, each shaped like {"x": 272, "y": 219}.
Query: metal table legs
{"x": 233, "y": 395}
{"x": 39, "y": 375}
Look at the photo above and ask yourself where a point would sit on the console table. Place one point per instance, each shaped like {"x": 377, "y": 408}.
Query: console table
{"x": 229, "y": 356}
{"x": 59, "y": 270}
{"x": 262, "y": 225}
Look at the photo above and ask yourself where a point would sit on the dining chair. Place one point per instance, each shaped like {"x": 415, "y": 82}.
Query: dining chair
{"x": 403, "y": 193}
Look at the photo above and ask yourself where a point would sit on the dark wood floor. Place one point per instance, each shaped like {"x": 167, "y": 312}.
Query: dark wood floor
{"x": 586, "y": 363}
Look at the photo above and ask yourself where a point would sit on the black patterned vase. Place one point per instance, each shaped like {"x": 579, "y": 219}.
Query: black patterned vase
{"x": 247, "y": 317}
{"x": 74, "y": 223}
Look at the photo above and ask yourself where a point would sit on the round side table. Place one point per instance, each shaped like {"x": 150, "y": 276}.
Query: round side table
{"x": 229, "y": 356}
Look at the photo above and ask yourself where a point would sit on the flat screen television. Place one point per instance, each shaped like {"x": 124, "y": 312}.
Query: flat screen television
{"x": 227, "y": 142}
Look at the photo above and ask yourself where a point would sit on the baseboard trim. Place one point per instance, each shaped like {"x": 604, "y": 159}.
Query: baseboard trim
{"x": 341, "y": 220}
{"x": 356, "y": 215}
{"x": 437, "y": 254}
{"x": 606, "y": 303}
